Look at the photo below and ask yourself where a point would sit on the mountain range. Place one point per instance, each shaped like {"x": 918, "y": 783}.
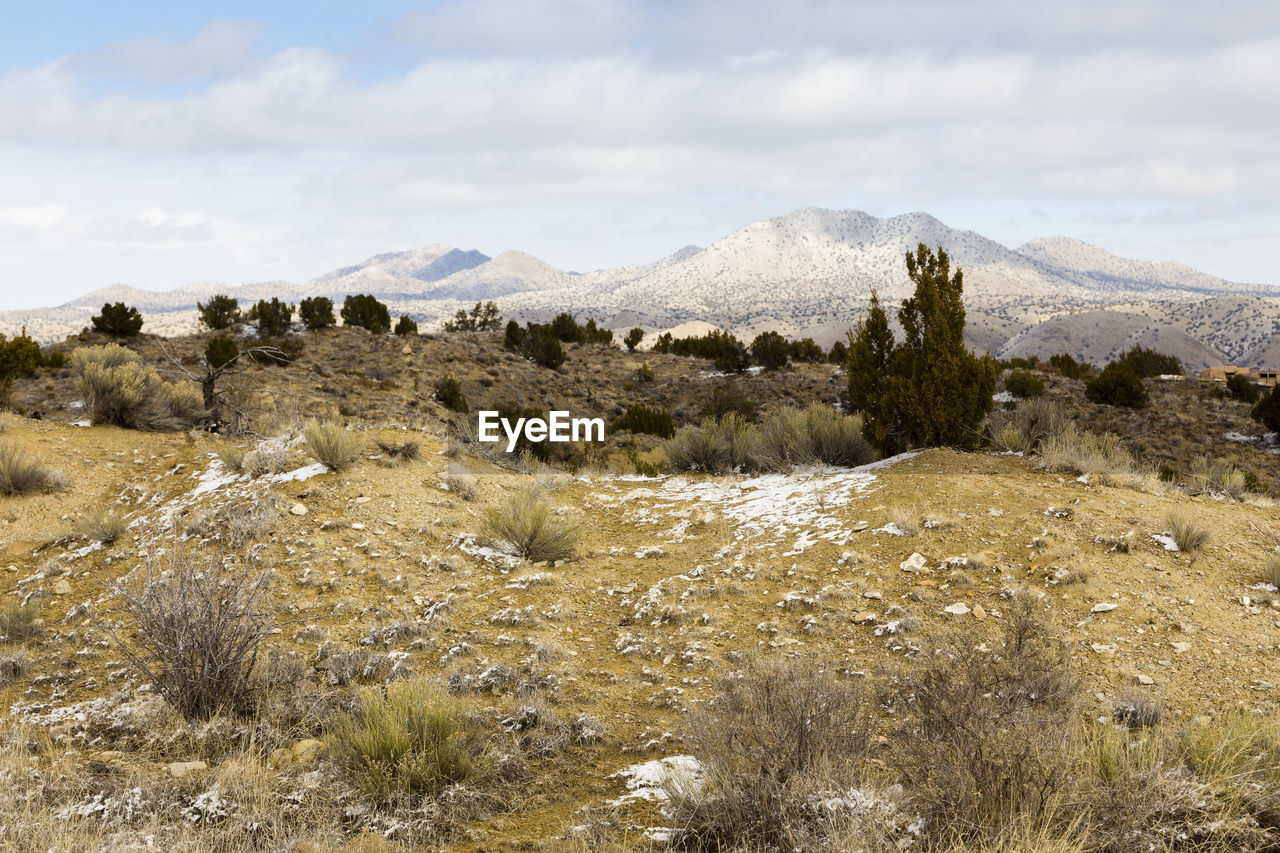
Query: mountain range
{"x": 808, "y": 273}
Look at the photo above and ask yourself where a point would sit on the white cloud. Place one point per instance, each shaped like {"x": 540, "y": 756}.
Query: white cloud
{"x": 220, "y": 47}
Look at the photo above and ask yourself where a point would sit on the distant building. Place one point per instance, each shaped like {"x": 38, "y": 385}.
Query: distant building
{"x": 1260, "y": 377}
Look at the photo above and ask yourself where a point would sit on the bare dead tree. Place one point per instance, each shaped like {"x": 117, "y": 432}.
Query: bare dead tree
{"x": 215, "y": 402}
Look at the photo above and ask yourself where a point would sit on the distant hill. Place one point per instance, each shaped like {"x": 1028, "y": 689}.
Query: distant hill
{"x": 808, "y": 273}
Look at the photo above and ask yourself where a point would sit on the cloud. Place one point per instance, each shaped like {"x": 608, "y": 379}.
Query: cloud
{"x": 220, "y": 47}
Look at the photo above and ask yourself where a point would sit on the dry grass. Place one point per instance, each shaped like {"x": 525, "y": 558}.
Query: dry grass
{"x": 526, "y": 527}
{"x": 906, "y": 519}
{"x": 23, "y": 474}
{"x": 1216, "y": 476}
{"x": 1099, "y": 460}
{"x": 399, "y": 453}
{"x": 414, "y": 739}
{"x": 18, "y": 622}
{"x": 99, "y": 525}
{"x": 1189, "y": 535}
{"x": 332, "y": 444}
{"x": 1271, "y": 570}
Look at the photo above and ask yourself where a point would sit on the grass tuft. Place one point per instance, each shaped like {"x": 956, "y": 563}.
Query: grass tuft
{"x": 18, "y": 622}
{"x": 1187, "y": 533}
{"x": 332, "y": 444}
{"x": 23, "y": 474}
{"x": 526, "y": 527}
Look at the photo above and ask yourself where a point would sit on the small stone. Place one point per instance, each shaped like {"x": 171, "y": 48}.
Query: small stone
{"x": 864, "y": 617}
{"x": 298, "y": 509}
{"x": 1104, "y": 648}
{"x": 979, "y": 612}
{"x": 182, "y": 769}
{"x": 872, "y": 594}
{"x": 357, "y": 525}
{"x": 1181, "y": 648}
{"x": 406, "y": 350}
{"x": 1144, "y": 679}
{"x": 860, "y": 526}
{"x": 913, "y": 564}
{"x": 363, "y": 499}
{"x": 1104, "y": 607}
{"x": 61, "y": 588}
{"x": 957, "y": 609}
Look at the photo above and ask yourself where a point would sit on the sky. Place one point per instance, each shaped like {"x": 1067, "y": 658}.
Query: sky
{"x": 156, "y": 144}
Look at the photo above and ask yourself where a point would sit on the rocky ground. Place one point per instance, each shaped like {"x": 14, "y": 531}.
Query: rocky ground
{"x": 381, "y": 571}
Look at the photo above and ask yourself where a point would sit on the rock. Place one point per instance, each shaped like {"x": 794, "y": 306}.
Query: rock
{"x": 298, "y": 509}
{"x": 406, "y": 350}
{"x": 1145, "y": 680}
{"x": 979, "y": 612}
{"x": 860, "y": 526}
{"x": 957, "y": 609}
{"x": 1104, "y": 648}
{"x": 1104, "y": 607}
{"x": 280, "y": 758}
{"x": 357, "y": 525}
{"x": 363, "y": 499}
{"x": 872, "y": 594}
{"x": 865, "y": 617}
{"x": 182, "y": 769}
{"x": 913, "y": 564}
{"x": 62, "y": 588}
{"x": 1180, "y": 648}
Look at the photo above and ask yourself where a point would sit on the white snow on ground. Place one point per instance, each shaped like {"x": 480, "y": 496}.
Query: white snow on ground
{"x": 1166, "y": 539}
{"x": 1003, "y": 397}
{"x": 646, "y": 781}
{"x": 304, "y": 473}
{"x": 796, "y": 509}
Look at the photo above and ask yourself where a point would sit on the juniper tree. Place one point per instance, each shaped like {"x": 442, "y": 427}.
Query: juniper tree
{"x": 928, "y": 390}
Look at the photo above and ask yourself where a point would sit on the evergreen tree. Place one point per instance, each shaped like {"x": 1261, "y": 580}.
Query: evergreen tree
{"x": 406, "y": 326}
{"x": 316, "y": 312}
{"x": 220, "y": 312}
{"x": 1267, "y": 411}
{"x": 273, "y": 318}
{"x": 1118, "y": 385}
{"x": 364, "y": 310}
{"x": 928, "y": 390}
{"x": 633, "y": 339}
{"x": 118, "y": 320}
{"x": 770, "y": 350}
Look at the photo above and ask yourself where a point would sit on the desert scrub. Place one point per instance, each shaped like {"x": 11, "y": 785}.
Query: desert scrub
{"x": 774, "y": 735}
{"x": 817, "y": 434}
{"x": 526, "y": 527}
{"x": 118, "y": 389}
{"x": 99, "y": 525}
{"x": 399, "y": 452}
{"x": 1099, "y": 460}
{"x": 414, "y": 739}
{"x": 332, "y": 444}
{"x": 23, "y": 474}
{"x": 199, "y": 627}
{"x": 1271, "y": 570}
{"x": 1216, "y": 476}
{"x": 18, "y": 622}
{"x": 1187, "y": 533}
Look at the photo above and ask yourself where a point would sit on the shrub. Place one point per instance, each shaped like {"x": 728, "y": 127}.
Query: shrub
{"x": 772, "y": 737}
{"x": 1069, "y": 367}
{"x": 1218, "y": 476}
{"x": 698, "y": 448}
{"x": 593, "y": 334}
{"x": 482, "y": 318}
{"x": 642, "y": 419}
{"x": 1075, "y": 451}
{"x": 18, "y": 622}
{"x": 117, "y": 389}
{"x": 770, "y": 350}
{"x": 1027, "y": 425}
{"x": 332, "y": 444}
{"x": 277, "y": 352}
{"x": 1117, "y": 385}
{"x": 725, "y": 351}
{"x": 1147, "y": 362}
{"x": 566, "y": 328}
{"x": 1022, "y": 383}
{"x": 100, "y": 525}
{"x": 1239, "y": 387}
{"x": 220, "y": 352}
{"x": 633, "y": 339}
{"x": 316, "y": 312}
{"x": 987, "y": 726}
{"x": 818, "y": 434}
{"x": 19, "y": 357}
{"x": 405, "y": 326}
{"x": 644, "y": 373}
{"x": 221, "y": 312}
{"x": 23, "y": 474}
{"x": 412, "y": 740}
{"x": 274, "y": 318}
{"x": 399, "y": 452}
{"x": 513, "y": 339}
{"x": 199, "y": 628}
{"x": 807, "y": 349}
{"x": 729, "y": 398}
{"x": 525, "y": 527}
{"x": 543, "y": 348}
{"x": 928, "y": 390}
{"x": 839, "y": 353}
{"x": 1267, "y": 410}
{"x": 1187, "y": 533}
{"x": 118, "y": 320}
{"x": 1271, "y": 570}
{"x": 449, "y": 394}
{"x": 367, "y": 312}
